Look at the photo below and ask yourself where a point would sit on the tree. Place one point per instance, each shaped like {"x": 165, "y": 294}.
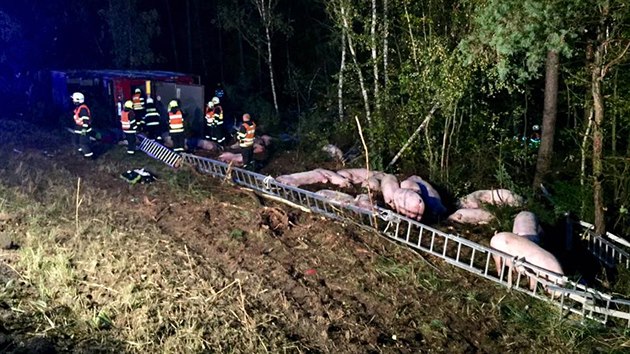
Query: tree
{"x": 131, "y": 32}
{"x": 610, "y": 48}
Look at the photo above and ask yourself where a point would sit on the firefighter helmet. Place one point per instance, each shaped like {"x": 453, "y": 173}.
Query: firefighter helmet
{"x": 149, "y": 100}
{"x": 138, "y": 91}
{"x": 215, "y": 100}
{"x": 172, "y": 104}
{"x": 210, "y": 104}
{"x": 78, "y": 97}
{"x": 128, "y": 104}
{"x": 536, "y": 128}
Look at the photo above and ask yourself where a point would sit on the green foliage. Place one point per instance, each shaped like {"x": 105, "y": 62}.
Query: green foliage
{"x": 512, "y": 37}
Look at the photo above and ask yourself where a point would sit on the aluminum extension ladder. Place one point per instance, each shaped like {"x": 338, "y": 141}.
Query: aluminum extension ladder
{"x": 569, "y": 296}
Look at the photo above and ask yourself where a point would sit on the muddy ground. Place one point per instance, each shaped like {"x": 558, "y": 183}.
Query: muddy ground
{"x": 306, "y": 284}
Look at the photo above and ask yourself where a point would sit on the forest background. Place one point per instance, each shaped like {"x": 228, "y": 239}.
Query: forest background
{"x": 470, "y": 77}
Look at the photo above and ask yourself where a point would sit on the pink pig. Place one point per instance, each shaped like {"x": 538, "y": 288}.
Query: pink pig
{"x": 228, "y": 157}
{"x": 408, "y": 203}
{"x": 356, "y": 175}
{"x": 334, "y": 178}
{"x": 471, "y": 216}
{"x": 389, "y": 184}
{"x": 522, "y": 248}
{"x": 302, "y": 178}
{"x": 526, "y": 225}
{"x": 475, "y": 200}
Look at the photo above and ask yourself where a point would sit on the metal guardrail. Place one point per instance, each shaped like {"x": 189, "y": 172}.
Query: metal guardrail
{"x": 569, "y": 296}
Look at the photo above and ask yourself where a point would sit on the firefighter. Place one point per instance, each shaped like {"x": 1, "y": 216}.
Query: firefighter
{"x": 82, "y": 125}
{"x": 176, "y": 126}
{"x": 217, "y": 128}
{"x": 138, "y": 107}
{"x": 152, "y": 121}
{"x": 129, "y": 126}
{"x": 246, "y": 135}
{"x": 209, "y": 116}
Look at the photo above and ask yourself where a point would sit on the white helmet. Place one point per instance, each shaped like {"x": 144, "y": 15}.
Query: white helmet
{"x": 215, "y": 100}
{"x": 210, "y": 104}
{"x": 536, "y": 128}
{"x": 78, "y": 97}
{"x": 149, "y": 100}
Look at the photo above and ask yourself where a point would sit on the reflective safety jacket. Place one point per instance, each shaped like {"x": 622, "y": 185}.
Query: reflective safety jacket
{"x": 218, "y": 115}
{"x": 138, "y": 102}
{"x": 128, "y": 121}
{"x": 209, "y": 116}
{"x": 176, "y": 121}
{"x": 152, "y": 117}
{"x": 246, "y": 134}
{"x": 82, "y": 119}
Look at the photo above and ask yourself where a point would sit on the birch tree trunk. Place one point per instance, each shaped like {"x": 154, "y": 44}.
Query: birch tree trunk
{"x": 374, "y": 58}
{"x": 342, "y": 68}
{"x": 385, "y": 42}
{"x": 264, "y": 8}
{"x": 366, "y": 103}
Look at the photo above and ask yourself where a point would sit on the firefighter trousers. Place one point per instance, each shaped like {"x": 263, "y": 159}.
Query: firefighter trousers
{"x": 82, "y": 140}
{"x": 178, "y": 141}
{"x": 131, "y": 143}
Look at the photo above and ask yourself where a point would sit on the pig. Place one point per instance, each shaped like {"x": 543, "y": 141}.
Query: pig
{"x": 474, "y": 200}
{"x": 363, "y": 201}
{"x": 334, "y": 178}
{"x": 259, "y": 148}
{"x": 526, "y": 225}
{"x": 356, "y": 175}
{"x": 408, "y": 184}
{"x": 337, "y": 197}
{"x": 302, "y": 178}
{"x": 208, "y": 145}
{"x": 228, "y": 157}
{"x": 522, "y": 248}
{"x": 471, "y": 216}
{"x": 333, "y": 152}
{"x": 266, "y": 139}
{"x": 408, "y": 203}
{"x": 389, "y": 184}
{"x": 430, "y": 196}
{"x": 372, "y": 183}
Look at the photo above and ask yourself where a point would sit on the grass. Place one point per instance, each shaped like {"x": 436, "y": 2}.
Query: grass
{"x": 117, "y": 283}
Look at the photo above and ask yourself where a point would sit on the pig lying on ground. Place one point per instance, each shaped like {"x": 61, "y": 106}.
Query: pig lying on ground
{"x": 228, "y": 157}
{"x": 389, "y": 185}
{"x": 408, "y": 203}
{"x": 302, "y": 178}
{"x": 471, "y": 216}
{"x": 334, "y": 196}
{"x": 526, "y": 225}
{"x": 208, "y": 145}
{"x": 430, "y": 196}
{"x": 334, "y": 178}
{"x": 491, "y": 196}
{"x": 372, "y": 183}
{"x": 356, "y": 175}
{"x": 522, "y": 248}
{"x": 363, "y": 201}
